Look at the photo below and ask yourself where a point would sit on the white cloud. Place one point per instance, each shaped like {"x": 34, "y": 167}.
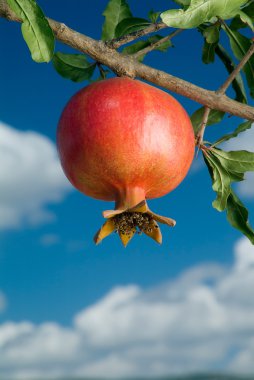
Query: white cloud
{"x": 201, "y": 321}
{"x": 244, "y": 141}
{"x": 30, "y": 177}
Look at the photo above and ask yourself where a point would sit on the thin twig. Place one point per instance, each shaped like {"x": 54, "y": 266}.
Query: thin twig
{"x": 117, "y": 42}
{"x": 221, "y": 91}
{"x": 223, "y": 88}
{"x": 124, "y": 65}
{"x": 156, "y": 44}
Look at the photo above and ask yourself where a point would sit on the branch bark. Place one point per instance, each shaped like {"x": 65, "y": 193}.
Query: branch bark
{"x": 125, "y": 65}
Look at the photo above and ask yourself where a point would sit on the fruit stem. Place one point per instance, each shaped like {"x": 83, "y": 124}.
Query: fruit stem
{"x": 129, "y": 197}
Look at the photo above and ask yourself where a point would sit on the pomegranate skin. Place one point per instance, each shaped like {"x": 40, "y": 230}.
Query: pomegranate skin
{"x": 121, "y": 136}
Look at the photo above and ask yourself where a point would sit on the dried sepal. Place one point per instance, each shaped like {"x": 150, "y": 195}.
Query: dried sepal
{"x": 110, "y": 213}
{"x": 126, "y": 237}
{"x": 163, "y": 219}
{"x": 155, "y": 233}
{"x": 107, "y": 229}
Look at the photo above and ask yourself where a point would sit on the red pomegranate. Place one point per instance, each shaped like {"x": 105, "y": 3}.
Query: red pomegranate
{"x": 123, "y": 140}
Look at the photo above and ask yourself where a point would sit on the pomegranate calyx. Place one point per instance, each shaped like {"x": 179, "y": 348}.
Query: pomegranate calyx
{"x": 130, "y": 221}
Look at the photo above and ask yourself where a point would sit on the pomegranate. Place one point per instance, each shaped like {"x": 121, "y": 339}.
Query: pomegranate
{"x": 123, "y": 140}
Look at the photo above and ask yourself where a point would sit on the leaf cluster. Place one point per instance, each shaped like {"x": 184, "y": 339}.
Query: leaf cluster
{"x": 225, "y": 168}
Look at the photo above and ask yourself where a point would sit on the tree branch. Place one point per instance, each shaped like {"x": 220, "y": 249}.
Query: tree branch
{"x": 155, "y": 45}
{"x": 125, "y": 65}
{"x": 221, "y": 91}
{"x": 117, "y": 42}
{"x": 6, "y": 12}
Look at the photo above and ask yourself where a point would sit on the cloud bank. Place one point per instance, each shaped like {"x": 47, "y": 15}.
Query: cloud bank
{"x": 201, "y": 321}
{"x": 30, "y": 177}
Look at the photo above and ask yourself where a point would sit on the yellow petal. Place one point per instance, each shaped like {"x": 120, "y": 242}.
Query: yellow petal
{"x": 125, "y": 238}
{"x": 107, "y": 228}
{"x": 155, "y": 234}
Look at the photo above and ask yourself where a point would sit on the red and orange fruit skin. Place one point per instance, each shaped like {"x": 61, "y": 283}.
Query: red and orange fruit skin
{"x": 121, "y": 139}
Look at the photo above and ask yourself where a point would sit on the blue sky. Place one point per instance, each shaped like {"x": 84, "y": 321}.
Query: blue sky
{"x": 50, "y": 269}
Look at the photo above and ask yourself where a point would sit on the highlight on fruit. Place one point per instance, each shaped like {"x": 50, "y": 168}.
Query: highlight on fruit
{"x": 123, "y": 140}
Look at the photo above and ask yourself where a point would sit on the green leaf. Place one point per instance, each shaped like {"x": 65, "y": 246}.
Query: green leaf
{"x": 115, "y": 12}
{"x": 130, "y": 25}
{"x": 237, "y": 83}
{"x": 73, "y": 66}
{"x": 241, "y": 128}
{"x": 208, "y": 52}
{"x": 240, "y": 45}
{"x": 35, "y": 29}
{"x": 134, "y": 48}
{"x": 215, "y": 116}
{"x": 246, "y": 19}
{"x": 225, "y": 168}
{"x": 237, "y": 215}
{"x": 212, "y": 34}
{"x": 238, "y": 23}
{"x": 248, "y": 8}
{"x": 239, "y": 161}
{"x": 201, "y": 11}
{"x": 233, "y": 175}
{"x": 153, "y": 16}
{"x": 221, "y": 181}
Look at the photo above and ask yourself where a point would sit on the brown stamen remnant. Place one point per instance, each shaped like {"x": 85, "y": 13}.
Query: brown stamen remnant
{"x": 125, "y": 222}
{"x": 131, "y": 221}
